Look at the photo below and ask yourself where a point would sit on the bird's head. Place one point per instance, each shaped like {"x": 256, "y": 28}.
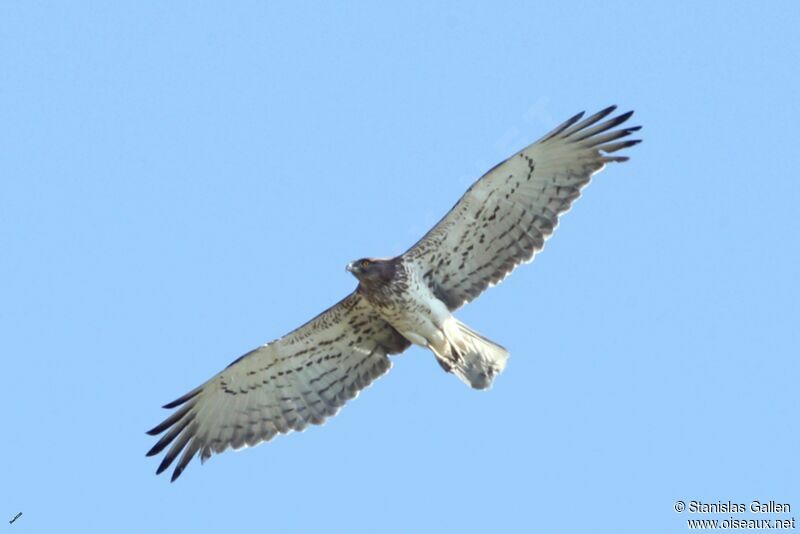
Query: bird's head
{"x": 371, "y": 270}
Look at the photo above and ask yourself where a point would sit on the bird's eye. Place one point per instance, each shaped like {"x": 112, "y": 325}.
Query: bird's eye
{"x": 365, "y": 263}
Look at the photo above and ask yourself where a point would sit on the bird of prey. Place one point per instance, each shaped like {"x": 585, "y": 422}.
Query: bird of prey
{"x": 304, "y": 377}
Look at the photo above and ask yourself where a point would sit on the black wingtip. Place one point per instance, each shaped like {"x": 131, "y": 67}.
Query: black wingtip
{"x": 575, "y": 118}
{"x": 176, "y": 474}
{"x": 563, "y": 127}
{"x": 614, "y": 147}
{"x": 620, "y": 146}
{"x": 163, "y": 465}
{"x": 177, "y": 402}
{"x": 625, "y": 116}
{"x": 589, "y": 130}
{"x": 613, "y": 123}
{"x": 175, "y": 417}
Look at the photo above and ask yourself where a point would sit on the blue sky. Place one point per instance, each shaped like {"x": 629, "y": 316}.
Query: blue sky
{"x": 181, "y": 182}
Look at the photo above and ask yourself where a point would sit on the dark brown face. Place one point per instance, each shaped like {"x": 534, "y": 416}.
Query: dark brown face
{"x": 369, "y": 270}
{"x": 361, "y": 268}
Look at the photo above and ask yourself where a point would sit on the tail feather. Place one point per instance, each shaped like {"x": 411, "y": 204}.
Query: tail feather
{"x": 472, "y": 358}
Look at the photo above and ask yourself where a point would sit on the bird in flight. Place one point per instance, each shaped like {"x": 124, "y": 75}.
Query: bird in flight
{"x": 305, "y": 376}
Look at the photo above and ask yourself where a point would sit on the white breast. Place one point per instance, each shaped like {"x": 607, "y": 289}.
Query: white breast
{"x": 421, "y": 316}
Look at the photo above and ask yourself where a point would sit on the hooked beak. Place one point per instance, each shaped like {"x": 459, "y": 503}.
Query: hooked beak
{"x": 351, "y": 267}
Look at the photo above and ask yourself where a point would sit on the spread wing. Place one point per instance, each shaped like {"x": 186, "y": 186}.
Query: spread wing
{"x": 301, "y": 378}
{"x": 506, "y": 216}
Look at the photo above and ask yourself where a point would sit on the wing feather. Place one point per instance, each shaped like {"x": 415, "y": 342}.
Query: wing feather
{"x": 300, "y": 379}
{"x": 505, "y": 218}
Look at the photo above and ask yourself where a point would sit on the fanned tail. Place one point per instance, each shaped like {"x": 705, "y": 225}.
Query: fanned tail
{"x": 472, "y": 358}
